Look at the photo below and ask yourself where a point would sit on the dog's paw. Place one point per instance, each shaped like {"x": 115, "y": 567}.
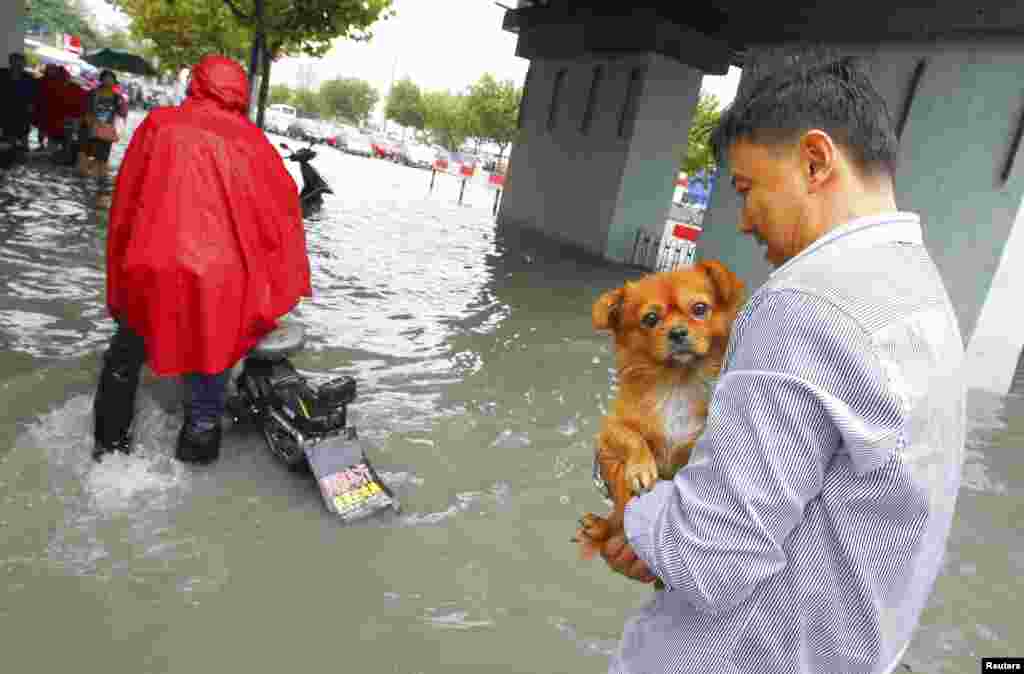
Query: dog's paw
{"x": 641, "y": 476}
{"x": 593, "y": 532}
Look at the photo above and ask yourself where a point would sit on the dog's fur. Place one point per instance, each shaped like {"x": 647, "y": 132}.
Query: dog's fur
{"x": 662, "y": 400}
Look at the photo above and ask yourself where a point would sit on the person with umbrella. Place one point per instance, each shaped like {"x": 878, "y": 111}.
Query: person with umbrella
{"x": 104, "y": 108}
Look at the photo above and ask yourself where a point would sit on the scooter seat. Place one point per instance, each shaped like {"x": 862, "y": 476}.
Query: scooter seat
{"x": 283, "y": 341}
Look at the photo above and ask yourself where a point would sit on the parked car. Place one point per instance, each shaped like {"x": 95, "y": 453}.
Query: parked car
{"x": 359, "y": 144}
{"x": 420, "y": 156}
{"x": 278, "y": 117}
{"x": 384, "y": 148}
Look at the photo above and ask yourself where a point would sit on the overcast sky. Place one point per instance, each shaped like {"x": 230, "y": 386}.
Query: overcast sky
{"x": 442, "y": 44}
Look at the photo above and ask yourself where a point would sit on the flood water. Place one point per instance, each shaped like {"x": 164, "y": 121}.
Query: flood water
{"x": 481, "y": 385}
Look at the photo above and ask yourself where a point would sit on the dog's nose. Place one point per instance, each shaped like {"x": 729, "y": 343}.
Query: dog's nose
{"x": 678, "y": 335}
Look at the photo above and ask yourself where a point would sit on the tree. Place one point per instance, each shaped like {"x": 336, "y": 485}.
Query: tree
{"x": 493, "y": 109}
{"x": 114, "y": 38}
{"x": 303, "y": 27}
{"x": 307, "y": 101}
{"x": 185, "y": 30}
{"x": 446, "y": 118}
{"x": 59, "y": 16}
{"x": 699, "y": 156}
{"x": 348, "y": 98}
{"x": 281, "y": 93}
{"x": 180, "y": 32}
{"x": 405, "y": 104}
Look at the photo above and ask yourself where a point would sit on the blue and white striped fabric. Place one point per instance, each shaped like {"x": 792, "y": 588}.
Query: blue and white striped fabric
{"x": 805, "y": 535}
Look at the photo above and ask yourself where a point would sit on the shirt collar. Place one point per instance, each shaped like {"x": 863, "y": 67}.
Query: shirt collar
{"x": 899, "y": 226}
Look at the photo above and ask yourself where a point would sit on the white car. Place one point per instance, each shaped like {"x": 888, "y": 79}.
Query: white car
{"x": 278, "y": 117}
{"x": 420, "y": 156}
{"x": 357, "y": 143}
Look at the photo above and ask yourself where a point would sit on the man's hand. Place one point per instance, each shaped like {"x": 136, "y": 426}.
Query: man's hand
{"x": 620, "y": 557}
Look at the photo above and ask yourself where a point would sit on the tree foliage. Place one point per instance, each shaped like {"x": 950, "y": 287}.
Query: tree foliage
{"x": 492, "y": 109}
{"x": 180, "y": 32}
{"x": 405, "y": 104}
{"x": 348, "y": 98}
{"x": 699, "y": 156}
{"x": 308, "y": 101}
{"x": 446, "y": 119}
{"x": 59, "y": 16}
{"x": 281, "y": 93}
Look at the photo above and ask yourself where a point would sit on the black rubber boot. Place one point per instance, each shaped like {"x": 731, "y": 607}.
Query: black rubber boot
{"x": 114, "y": 406}
{"x": 198, "y": 446}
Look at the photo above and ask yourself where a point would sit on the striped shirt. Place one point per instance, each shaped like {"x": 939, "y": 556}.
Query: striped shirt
{"x": 806, "y": 533}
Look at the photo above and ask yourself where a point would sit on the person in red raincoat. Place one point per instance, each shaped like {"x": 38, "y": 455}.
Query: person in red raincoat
{"x": 205, "y": 251}
{"x": 60, "y": 100}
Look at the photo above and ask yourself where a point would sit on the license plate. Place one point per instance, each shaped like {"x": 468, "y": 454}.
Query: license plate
{"x": 350, "y": 487}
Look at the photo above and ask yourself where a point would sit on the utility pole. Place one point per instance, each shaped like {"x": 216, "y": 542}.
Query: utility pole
{"x": 257, "y": 53}
{"x": 391, "y": 87}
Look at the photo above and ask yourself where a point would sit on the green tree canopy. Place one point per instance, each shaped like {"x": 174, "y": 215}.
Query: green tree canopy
{"x": 59, "y": 16}
{"x": 405, "y": 104}
{"x": 308, "y": 102}
{"x": 348, "y": 98}
{"x": 446, "y": 118}
{"x": 698, "y": 155}
{"x": 180, "y": 32}
{"x": 492, "y": 110}
{"x": 281, "y": 93}
{"x": 185, "y": 30}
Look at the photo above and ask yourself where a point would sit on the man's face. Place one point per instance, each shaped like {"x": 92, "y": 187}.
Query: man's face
{"x": 777, "y": 208}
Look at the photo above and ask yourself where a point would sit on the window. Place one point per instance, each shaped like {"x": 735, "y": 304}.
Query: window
{"x": 588, "y": 112}
{"x": 628, "y": 115}
{"x": 556, "y": 94}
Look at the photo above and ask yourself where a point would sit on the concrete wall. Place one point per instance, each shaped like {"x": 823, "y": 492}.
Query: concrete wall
{"x": 594, "y": 188}
{"x": 10, "y": 34}
{"x": 664, "y": 112}
{"x": 954, "y": 146}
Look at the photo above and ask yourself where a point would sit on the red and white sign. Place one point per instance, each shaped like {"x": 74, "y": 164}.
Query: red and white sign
{"x": 73, "y": 44}
{"x": 678, "y": 246}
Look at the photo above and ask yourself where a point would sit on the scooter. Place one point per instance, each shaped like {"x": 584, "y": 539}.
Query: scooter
{"x": 306, "y": 426}
{"x": 313, "y": 185}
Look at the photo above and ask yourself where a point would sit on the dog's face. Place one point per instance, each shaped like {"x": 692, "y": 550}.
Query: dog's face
{"x": 677, "y": 320}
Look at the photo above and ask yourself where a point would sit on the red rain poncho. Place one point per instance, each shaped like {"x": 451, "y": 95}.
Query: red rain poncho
{"x": 59, "y": 99}
{"x": 206, "y": 246}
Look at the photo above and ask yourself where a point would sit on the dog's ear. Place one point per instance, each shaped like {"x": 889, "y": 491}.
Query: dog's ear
{"x": 728, "y": 286}
{"x": 607, "y": 311}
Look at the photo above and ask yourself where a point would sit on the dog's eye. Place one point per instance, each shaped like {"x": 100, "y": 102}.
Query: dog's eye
{"x": 700, "y": 310}
{"x": 650, "y": 319}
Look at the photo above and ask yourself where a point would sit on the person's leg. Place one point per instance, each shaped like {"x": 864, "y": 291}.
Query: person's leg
{"x": 85, "y": 158}
{"x": 102, "y": 158}
{"x": 199, "y": 440}
{"x": 114, "y": 407}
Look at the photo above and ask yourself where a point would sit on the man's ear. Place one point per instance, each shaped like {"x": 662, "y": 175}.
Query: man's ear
{"x": 607, "y": 310}
{"x": 728, "y": 286}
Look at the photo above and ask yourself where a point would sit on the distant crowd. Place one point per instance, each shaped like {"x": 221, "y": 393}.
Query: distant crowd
{"x": 70, "y": 113}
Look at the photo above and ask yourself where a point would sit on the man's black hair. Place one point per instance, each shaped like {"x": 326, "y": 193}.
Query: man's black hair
{"x": 836, "y": 97}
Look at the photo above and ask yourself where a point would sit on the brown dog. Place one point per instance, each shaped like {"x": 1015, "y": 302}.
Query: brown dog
{"x": 671, "y": 331}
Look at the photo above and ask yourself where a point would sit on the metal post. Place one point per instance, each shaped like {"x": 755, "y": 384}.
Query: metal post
{"x": 433, "y": 173}
{"x": 461, "y": 190}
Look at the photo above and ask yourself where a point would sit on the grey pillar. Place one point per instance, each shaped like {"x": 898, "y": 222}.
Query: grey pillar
{"x": 958, "y": 172}
{"x": 598, "y": 154}
{"x": 11, "y": 14}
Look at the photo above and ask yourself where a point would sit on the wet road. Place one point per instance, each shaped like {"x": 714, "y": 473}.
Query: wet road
{"x": 481, "y": 386}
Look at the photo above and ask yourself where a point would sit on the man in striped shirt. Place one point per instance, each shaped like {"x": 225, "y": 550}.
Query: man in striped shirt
{"x": 806, "y": 533}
